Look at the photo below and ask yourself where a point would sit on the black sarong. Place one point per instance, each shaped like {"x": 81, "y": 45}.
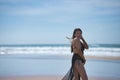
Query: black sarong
{"x": 70, "y": 73}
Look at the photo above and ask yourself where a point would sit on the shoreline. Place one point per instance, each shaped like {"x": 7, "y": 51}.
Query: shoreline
{"x": 39, "y": 68}
{"x": 51, "y": 77}
{"x": 102, "y": 57}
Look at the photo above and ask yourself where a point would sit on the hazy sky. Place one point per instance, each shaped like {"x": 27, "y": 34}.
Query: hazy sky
{"x": 50, "y": 21}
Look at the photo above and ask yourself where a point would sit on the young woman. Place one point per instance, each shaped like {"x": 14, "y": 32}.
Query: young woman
{"x": 78, "y": 60}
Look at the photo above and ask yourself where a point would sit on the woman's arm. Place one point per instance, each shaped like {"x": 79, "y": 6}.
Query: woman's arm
{"x": 85, "y": 43}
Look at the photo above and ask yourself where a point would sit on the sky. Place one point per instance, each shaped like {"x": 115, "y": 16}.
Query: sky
{"x": 50, "y": 21}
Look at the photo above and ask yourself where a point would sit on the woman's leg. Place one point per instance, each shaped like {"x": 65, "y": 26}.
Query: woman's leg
{"x": 79, "y": 66}
{"x": 75, "y": 74}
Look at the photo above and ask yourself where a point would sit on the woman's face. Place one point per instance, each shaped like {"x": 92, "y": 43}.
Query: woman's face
{"x": 78, "y": 34}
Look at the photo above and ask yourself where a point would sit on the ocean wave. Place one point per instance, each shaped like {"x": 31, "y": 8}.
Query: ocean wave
{"x": 60, "y": 50}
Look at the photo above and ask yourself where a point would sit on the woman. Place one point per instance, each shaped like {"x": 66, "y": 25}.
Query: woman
{"x": 78, "y": 60}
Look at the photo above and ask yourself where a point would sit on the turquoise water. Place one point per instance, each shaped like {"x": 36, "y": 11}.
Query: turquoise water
{"x": 24, "y": 64}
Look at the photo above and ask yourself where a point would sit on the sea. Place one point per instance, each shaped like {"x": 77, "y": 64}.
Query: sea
{"x": 55, "y": 59}
{"x": 61, "y": 49}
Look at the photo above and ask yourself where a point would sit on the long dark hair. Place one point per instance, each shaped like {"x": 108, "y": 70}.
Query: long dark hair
{"x": 73, "y": 36}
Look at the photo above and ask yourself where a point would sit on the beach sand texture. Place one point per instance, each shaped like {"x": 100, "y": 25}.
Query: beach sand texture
{"x": 59, "y": 77}
{"x": 97, "y": 67}
{"x": 53, "y": 77}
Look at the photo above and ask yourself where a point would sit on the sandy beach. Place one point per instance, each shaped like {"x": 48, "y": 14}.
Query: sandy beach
{"x": 48, "y": 77}
{"x": 103, "y": 57}
{"x": 15, "y": 67}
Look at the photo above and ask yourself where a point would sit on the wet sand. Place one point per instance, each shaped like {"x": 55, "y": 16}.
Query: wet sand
{"x": 32, "y": 68}
{"x": 48, "y": 77}
{"x": 103, "y": 57}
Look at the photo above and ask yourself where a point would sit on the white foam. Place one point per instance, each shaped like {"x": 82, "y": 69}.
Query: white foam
{"x": 60, "y": 50}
